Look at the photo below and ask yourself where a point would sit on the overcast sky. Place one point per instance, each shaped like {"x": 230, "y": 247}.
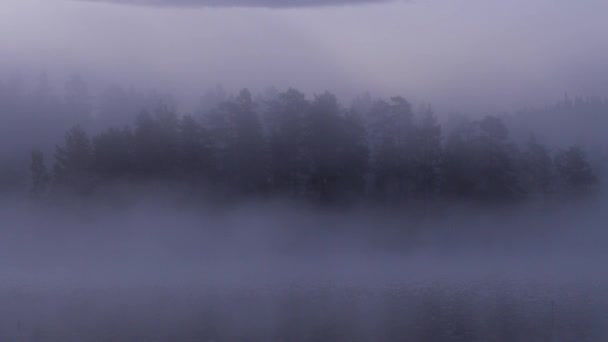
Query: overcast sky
{"x": 457, "y": 54}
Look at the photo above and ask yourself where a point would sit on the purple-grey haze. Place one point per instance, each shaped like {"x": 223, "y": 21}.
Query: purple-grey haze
{"x": 458, "y": 55}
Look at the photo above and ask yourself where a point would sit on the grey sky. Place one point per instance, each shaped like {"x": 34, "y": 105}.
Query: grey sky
{"x": 458, "y": 54}
{"x": 240, "y": 3}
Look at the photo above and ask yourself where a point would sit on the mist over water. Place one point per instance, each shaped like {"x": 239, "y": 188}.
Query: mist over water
{"x": 160, "y": 269}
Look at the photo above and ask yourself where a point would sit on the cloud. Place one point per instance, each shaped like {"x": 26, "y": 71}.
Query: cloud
{"x": 241, "y": 3}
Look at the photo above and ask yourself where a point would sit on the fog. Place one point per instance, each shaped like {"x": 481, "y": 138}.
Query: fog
{"x": 304, "y": 170}
{"x": 459, "y": 55}
{"x": 159, "y": 269}
{"x": 160, "y": 241}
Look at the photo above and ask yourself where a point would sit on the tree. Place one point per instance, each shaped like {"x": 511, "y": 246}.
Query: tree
{"x": 536, "y": 171}
{"x": 113, "y": 153}
{"x": 248, "y": 153}
{"x": 145, "y": 149}
{"x": 574, "y": 171}
{"x": 428, "y": 156}
{"x": 498, "y": 179}
{"x": 156, "y": 140}
{"x": 237, "y": 133}
{"x": 72, "y": 169}
{"x": 479, "y": 161}
{"x": 196, "y": 156}
{"x": 39, "y": 173}
{"x": 323, "y": 146}
{"x": 354, "y": 157}
{"x": 336, "y": 151}
{"x": 460, "y": 163}
{"x": 392, "y": 140}
{"x": 286, "y": 139}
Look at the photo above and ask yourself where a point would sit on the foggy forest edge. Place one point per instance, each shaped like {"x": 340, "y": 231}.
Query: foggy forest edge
{"x": 289, "y": 145}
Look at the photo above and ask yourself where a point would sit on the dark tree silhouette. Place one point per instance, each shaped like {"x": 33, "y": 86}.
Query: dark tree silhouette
{"x": 324, "y": 147}
{"x": 480, "y": 161}
{"x": 73, "y": 162}
{"x": 317, "y": 150}
{"x": 40, "y": 174}
{"x": 393, "y": 138}
{"x": 459, "y": 166}
{"x": 428, "y": 156}
{"x": 286, "y": 139}
{"x": 498, "y": 179}
{"x": 354, "y": 157}
{"x": 156, "y": 138}
{"x": 113, "y": 154}
{"x": 196, "y": 156}
{"x": 240, "y": 142}
{"x": 574, "y": 171}
{"x": 536, "y": 174}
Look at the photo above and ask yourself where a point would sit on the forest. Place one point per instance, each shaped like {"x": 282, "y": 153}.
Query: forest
{"x": 291, "y": 145}
{"x": 314, "y": 149}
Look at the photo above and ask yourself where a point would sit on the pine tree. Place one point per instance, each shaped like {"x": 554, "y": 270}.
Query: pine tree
{"x": 72, "y": 169}
{"x": 196, "y": 156}
{"x": 113, "y": 154}
{"x": 240, "y": 142}
{"x": 323, "y": 147}
{"x": 393, "y": 141}
{"x": 536, "y": 171}
{"x": 428, "y": 156}
{"x": 498, "y": 180}
{"x": 574, "y": 171}
{"x": 39, "y": 173}
{"x": 286, "y": 139}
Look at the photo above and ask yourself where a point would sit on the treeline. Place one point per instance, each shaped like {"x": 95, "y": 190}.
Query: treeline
{"x": 316, "y": 149}
{"x": 579, "y": 119}
{"x": 44, "y": 107}
{"x": 39, "y": 106}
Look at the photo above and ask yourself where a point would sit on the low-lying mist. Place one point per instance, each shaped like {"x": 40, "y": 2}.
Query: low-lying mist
{"x": 160, "y": 268}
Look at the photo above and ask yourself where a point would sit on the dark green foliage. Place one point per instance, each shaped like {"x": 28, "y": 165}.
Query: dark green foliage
{"x": 335, "y": 149}
{"x": 156, "y": 138}
{"x": 113, "y": 154}
{"x": 317, "y": 149}
{"x": 73, "y": 162}
{"x": 537, "y": 174}
{"x": 354, "y": 156}
{"x": 242, "y": 152}
{"x": 497, "y": 171}
{"x": 196, "y": 159}
{"x": 323, "y": 146}
{"x": 574, "y": 171}
{"x": 460, "y": 162}
{"x": 40, "y": 174}
{"x": 480, "y": 162}
{"x": 428, "y": 156}
{"x": 286, "y": 118}
{"x": 393, "y": 144}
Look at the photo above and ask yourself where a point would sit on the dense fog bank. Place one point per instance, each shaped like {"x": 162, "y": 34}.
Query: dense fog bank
{"x": 161, "y": 269}
{"x": 171, "y": 241}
